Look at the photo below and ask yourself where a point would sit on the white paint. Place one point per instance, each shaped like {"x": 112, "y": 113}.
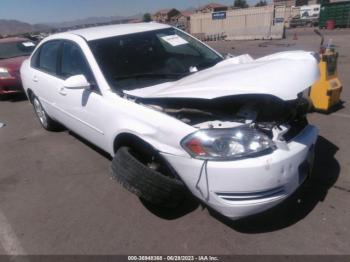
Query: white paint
{"x": 8, "y": 238}
{"x": 106, "y": 31}
{"x": 283, "y": 75}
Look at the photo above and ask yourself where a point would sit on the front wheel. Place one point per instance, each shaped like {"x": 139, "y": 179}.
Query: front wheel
{"x": 46, "y": 122}
{"x": 146, "y": 181}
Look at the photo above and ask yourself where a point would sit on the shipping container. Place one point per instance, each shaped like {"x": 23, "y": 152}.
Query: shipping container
{"x": 339, "y": 12}
{"x": 265, "y": 22}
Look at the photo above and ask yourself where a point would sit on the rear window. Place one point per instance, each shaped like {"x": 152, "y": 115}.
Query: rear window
{"x": 16, "y": 49}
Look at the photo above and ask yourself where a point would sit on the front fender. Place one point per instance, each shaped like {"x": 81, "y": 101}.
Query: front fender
{"x": 162, "y": 132}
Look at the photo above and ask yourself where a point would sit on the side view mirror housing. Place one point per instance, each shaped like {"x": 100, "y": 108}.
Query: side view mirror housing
{"x": 77, "y": 82}
{"x": 228, "y": 56}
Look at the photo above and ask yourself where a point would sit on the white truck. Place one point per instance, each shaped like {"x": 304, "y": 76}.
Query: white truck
{"x": 310, "y": 11}
{"x": 308, "y": 15}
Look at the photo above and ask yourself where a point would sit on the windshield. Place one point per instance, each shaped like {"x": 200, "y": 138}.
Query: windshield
{"x": 148, "y": 58}
{"x": 15, "y": 49}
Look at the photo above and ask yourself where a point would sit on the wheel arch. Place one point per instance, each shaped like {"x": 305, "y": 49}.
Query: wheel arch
{"x": 132, "y": 140}
{"x": 30, "y": 95}
{"x": 144, "y": 148}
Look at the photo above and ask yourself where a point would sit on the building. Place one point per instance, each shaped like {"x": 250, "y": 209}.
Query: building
{"x": 212, "y": 7}
{"x": 184, "y": 20}
{"x": 167, "y": 16}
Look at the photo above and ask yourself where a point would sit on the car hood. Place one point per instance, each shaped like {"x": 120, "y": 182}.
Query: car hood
{"x": 283, "y": 75}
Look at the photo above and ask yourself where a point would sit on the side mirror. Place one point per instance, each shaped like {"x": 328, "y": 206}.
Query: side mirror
{"x": 76, "y": 82}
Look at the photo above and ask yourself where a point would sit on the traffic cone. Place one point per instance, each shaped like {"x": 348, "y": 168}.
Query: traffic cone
{"x": 295, "y": 37}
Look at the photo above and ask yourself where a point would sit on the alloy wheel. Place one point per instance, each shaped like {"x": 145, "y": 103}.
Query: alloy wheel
{"x": 40, "y": 112}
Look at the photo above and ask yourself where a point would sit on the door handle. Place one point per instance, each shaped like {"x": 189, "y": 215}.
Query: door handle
{"x": 35, "y": 79}
{"x": 62, "y": 92}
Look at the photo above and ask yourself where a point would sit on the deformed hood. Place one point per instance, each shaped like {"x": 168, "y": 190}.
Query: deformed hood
{"x": 283, "y": 75}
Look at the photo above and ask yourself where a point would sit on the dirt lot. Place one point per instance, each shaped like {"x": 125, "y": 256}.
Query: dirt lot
{"x": 56, "y": 196}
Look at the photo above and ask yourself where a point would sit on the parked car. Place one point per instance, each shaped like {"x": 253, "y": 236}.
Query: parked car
{"x": 177, "y": 117}
{"x": 13, "y": 51}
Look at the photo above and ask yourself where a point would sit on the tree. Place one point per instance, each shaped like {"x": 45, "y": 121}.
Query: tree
{"x": 147, "y": 17}
{"x": 261, "y": 3}
{"x": 240, "y": 4}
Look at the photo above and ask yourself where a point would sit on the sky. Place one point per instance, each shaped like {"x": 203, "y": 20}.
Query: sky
{"x": 50, "y": 11}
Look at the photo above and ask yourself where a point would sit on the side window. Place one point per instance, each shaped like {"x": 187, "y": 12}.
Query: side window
{"x": 74, "y": 62}
{"x": 34, "y": 62}
{"x": 48, "y": 57}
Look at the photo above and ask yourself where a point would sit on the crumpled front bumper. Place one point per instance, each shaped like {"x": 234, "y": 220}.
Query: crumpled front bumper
{"x": 245, "y": 187}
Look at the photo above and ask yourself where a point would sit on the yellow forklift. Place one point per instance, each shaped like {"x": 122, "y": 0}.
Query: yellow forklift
{"x": 325, "y": 93}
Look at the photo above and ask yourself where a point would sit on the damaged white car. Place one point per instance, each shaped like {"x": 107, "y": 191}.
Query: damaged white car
{"x": 177, "y": 117}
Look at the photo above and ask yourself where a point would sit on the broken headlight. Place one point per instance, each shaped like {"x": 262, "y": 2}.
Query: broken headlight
{"x": 227, "y": 144}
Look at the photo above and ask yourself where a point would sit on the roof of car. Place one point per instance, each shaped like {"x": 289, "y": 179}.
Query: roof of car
{"x": 100, "y": 32}
{"x": 13, "y": 39}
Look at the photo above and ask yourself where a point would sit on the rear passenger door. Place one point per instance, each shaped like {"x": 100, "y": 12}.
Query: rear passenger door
{"x": 44, "y": 76}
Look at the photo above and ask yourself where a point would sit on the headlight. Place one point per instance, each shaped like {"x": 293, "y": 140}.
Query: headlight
{"x": 227, "y": 144}
{"x": 4, "y": 73}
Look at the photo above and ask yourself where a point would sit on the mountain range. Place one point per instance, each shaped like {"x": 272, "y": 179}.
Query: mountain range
{"x": 13, "y": 27}
{"x": 92, "y": 20}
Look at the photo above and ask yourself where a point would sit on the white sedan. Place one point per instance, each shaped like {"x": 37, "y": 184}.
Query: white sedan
{"x": 177, "y": 117}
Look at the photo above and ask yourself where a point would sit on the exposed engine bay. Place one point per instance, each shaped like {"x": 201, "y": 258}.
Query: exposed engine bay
{"x": 267, "y": 113}
{"x": 264, "y": 94}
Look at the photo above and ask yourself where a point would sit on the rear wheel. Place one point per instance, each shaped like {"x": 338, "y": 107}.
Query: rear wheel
{"x": 46, "y": 122}
{"x": 142, "y": 176}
